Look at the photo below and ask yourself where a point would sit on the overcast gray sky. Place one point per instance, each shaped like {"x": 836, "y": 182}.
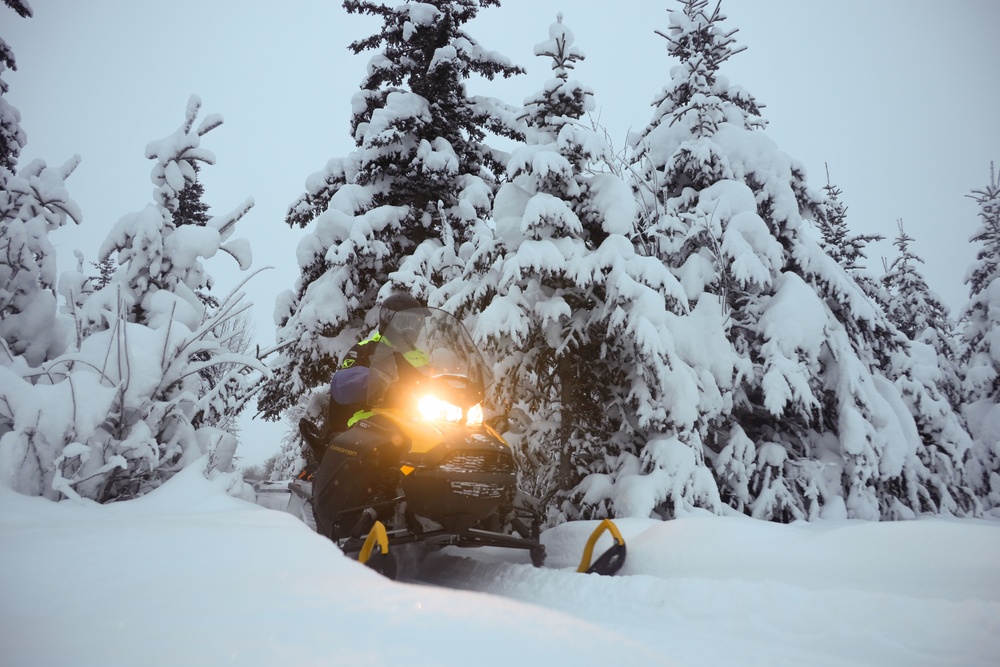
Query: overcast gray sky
{"x": 899, "y": 97}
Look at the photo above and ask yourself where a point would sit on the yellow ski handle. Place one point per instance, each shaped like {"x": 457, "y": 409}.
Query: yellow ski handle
{"x": 376, "y": 535}
{"x": 588, "y": 551}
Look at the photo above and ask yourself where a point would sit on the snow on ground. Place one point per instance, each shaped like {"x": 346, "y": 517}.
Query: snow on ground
{"x": 706, "y": 590}
{"x": 189, "y": 576}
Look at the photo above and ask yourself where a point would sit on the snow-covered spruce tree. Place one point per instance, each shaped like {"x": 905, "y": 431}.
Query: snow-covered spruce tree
{"x": 567, "y": 308}
{"x": 927, "y": 375}
{"x": 192, "y": 210}
{"x": 924, "y": 368}
{"x": 233, "y": 332}
{"x": 921, "y": 315}
{"x": 191, "y": 206}
{"x": 981, "y": 345}
{"x": 810, "y": 423}
{"x": 292, "y": 458}
{"x": 129, "y": 404}
{"x": 149, "y": 242}
{"x": 420, "y": 176}
{"x": 33, "y": 202}
{"x": 12, "y": 137}
{"x": 838, "y": 241}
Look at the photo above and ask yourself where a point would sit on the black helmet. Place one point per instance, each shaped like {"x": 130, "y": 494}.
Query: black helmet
{"x": 392, "y": 305}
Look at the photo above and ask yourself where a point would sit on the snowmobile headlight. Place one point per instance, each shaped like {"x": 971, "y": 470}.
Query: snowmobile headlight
{"x": 475, "y": 415}
{"x": 433, "y": 408}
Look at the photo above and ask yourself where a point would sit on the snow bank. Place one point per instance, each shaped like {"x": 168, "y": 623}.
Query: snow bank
{"x": 189, "y": 576}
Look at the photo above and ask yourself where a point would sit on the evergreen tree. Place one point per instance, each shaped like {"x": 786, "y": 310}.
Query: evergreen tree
{"x": 981, "y": 315}
{"x": 146, "y": 241}
{"x": 926, "y": 373}
{"x": 33, "y": 203}
{"x": 922, "y": 317}
{"x": 981, "y": 355}
{"x": 105, "y": 272}
{"x": 191, "y": 207}
{"x": 571, "y": 313}
{"x": 809, "y": 423}
{"x": 528, "y": 267}
{"x": 913, "y": 307}
{"x": 846, "y": 248}
{"x": 12, "y": 137}
{"x": 420, "y": 177}
{"x": 192, "y": 210}
{"x": 292, "y": 456}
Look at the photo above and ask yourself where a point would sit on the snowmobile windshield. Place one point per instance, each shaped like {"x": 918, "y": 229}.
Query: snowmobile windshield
{"x": 424, "y": 343}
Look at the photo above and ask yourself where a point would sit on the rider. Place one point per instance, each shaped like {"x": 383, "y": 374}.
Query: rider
{"x": 349, "y": 385}
{"x": 348, "y": 400}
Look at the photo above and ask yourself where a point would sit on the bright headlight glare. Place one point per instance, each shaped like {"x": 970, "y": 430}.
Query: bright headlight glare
{"x": 434, "y": 409}
{"x": 475, "y": 415}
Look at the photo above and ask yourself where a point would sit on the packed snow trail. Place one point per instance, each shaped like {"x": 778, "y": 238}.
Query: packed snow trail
{"x": 724, "y": 591}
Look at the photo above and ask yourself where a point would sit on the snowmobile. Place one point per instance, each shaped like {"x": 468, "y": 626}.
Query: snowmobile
{"x": 423, "y": 466}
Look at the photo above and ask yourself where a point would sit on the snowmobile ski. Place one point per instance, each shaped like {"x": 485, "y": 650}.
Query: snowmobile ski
{"x": 611, "y": 560}
{"x": 375, "y": 552}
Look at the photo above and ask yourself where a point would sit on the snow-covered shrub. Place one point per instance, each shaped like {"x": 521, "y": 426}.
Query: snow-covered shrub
{"x": 133, "y": 398}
